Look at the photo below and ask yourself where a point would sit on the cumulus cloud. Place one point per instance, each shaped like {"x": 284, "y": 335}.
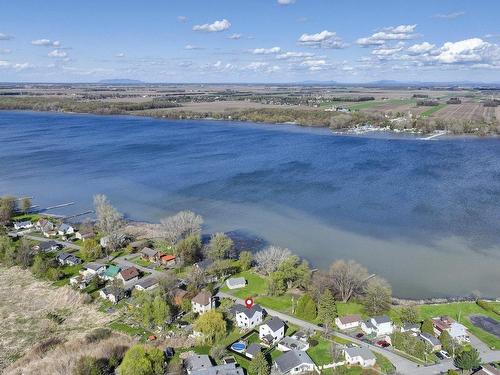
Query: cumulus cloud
{"x": 261, "y": 66}
{"x": 314, "y": 65}
{"x": 216, "y": 26}
{"x": 235, "y": 36}
{"x": 449, "y": 16}
{"x": 5, "y": 36}
{"x": 46, "y": 43}
{"x": 421, "y": 48}
{"x": 16, "y": 66}
{"x": 384, "y": 50}
{"x": 266, "y": 51}
{"x": 286, "y": 2}
{"x": 57, "y": 53}
{"x": 323, "y": 39}
{"x": 392, "y": 33}
{"x": 469, "y": 50}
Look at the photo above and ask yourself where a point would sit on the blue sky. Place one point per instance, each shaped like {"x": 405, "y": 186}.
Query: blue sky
{"x": 249, "y": 40}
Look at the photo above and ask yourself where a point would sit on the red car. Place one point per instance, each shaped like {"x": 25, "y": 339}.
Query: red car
{"x": 383, "y": 344}
{"x": 359, "y": 335}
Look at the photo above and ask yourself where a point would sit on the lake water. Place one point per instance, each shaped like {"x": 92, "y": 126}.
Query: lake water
{"x": 423, "y": 214}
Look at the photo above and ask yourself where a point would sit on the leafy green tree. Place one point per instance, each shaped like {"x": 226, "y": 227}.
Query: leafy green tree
{"x": 87, "y": 365}
{"x": 327, "y": 308}
{"x": 468, "y": 360}
{"x": 306, "y": 308}
{"x": 276, "y": 285}
{"x": 40, "y": 266}
{"x": 6, "y": 246}
{"x": 220, "y": 246}
{"x": 142, "y": 360}
{"x": 446, "y": 342}
{"x": 224, "y": 267}
{"x": 259, "y": 365}
{"x": 246, "y": 259}
{"x": 409, "y": 314}
{"x": 188, "y": 249}
{"x": 161, "y": 311}
{"x": 91, "y": 250}
{"x": 212, "y": 325}
{"x": 377, "y": 297}
{"x": 427, "y": 327}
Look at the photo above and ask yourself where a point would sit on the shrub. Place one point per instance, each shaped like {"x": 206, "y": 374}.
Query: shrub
{"x": 98, "y": 335}
{"x": 87, "y": 365}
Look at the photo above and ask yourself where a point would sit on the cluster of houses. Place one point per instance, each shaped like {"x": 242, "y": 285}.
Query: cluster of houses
{"x": 154, "y": 256}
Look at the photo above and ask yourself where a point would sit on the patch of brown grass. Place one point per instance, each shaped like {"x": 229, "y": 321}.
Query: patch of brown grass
{"x": 26, "y": 308}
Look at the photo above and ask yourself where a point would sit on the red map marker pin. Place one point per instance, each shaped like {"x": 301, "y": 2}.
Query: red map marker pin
{"x": 249, "y": 303}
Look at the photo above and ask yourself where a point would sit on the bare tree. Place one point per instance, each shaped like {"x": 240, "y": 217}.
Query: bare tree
{"x": 269, "y": 259}
{"x": 181, "y": 225}
{"x": 109, "y": 222}
{"x": 25, "y": 204}
{"x": 348, "y": 278}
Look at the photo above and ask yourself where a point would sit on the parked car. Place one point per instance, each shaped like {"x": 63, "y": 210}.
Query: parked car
{"x": 383, "y": 344}
{"x": 439, "y": 355}
{"x": 445, "y": 354}
{"x": 359, "y": 335}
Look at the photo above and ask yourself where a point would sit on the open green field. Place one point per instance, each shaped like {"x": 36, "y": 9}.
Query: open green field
{"x": 320, "y": 353}
{"x": 433, "y": 110}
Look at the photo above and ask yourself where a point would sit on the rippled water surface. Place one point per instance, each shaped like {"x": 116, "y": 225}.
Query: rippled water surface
{"x": 424, "y": 214}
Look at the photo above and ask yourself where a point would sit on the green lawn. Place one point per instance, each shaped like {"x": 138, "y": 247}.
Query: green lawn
{"x": 23, "y": 217}
{"x": 129, "y": 330}
{"x": 141, "y": 262}
{"x": 69, "y": 271}
{"x": 433, "y": 110}
{"x": 460, "y": 311}
{"x": 384, "y": 364}
{"x": 320, "y": 353}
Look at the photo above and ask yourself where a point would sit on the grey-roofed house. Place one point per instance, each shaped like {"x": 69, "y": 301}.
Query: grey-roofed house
{"x": 94, "y": 268}
{"x": 360, "y": 356}
{"x": 197, "y": 362}
{"x": 47, "y": 246}
{"x": 225, "y": 369}
{"x": 112, "y": 293}
{"x": 150, "y": 254}
{"x": 236, "y": 282}
{"x": 252, "y": 350}
{"x": 272, "y": 331}
{"x": 410, "y": 327}
{"x": 68, "y": 259}
{"x": 378, "y": 326}
{"x": 294, "y": 362}
{"x": 288, "y": 343}
{"x": 147, "y": 283}
{"x": 23, "y": 225}
{"x": 247, "y": 317}
{"x": 430, "y": 341}
{"x": 65, "y": 229}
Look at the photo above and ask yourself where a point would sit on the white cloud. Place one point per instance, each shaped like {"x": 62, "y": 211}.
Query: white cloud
{"x": 286, "y": 2}
{"x": 4, "y": 64}
{"x": 57, "y": 53}
{"x": 235, "y": 36}
{"x": 216, "y": 26}
{"x": 401, "y": 32}
{"x": 293, "y": 55}
{"x": 261, "y": 66}
{"x": 46, "y": 43}
{"x": 421, "y": 48}
{"x": 5, "y": 51}
{"x": 182, "y": 18}
{"x": 16, "y": 66}
{"x": 449, "y": 16}
{"x": 469, "y": 50}
{"x": 266, "y": 51}
{"x": 323, "y": 39}
{"x": 5, "y": 36}
{"x": 314, "y": 65}
{"x": 191, "y": 47}
{"x": 121, "y": 54}
{"x": 386, "y": 50}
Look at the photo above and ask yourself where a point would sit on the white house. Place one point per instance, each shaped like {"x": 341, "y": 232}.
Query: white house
{"x": 202, "y": 302}
{"x": 272, "y": 331}
{"x": 93, "y": 268}
{"x": 456, "y": 330}
{"x": 65, "y": 229}
{"x": 84, "y": 235}
{"x": 147, "y": 283}
{"x": 68, "y": 259}
{"x": 23, "y": 225}
{"x": 348, "y": 321}
{"x": 112, "y": 294}
{"x": 247, "y": 317}
{"x": 236, "y": 282}
{"x": 360, "y": 356}
{"x": 379, "y": 326}
{"x": 294, "y": 362}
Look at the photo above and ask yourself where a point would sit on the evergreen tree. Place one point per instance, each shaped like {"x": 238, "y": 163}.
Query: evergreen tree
{"x": 427, "y": 327}
{"x": 327, "y": 308}
{"x": 306, "y": 308}
{"x": 259, "y": 365}
{"x": 468, "y": 360}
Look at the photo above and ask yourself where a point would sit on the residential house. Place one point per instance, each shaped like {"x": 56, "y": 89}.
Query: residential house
{"x": 248, "y": 317}
{"x": 378, "y": 326}
{"x": 236, "y": 282}
{"x": 487, "y": 370}
{"x": 128, "y": 275}
{"x": 410, "y": 327}
{"x": 93, "y": 268}
{"x": 430, "y": 341}
{"x": 23, "y": 225}
{"x": 456, "y": 330}
{"x": 288, "y": 343}
{"x": 147, "y": 283}
{"x": 47, "y": 246}
{"x": 111, "y": 273}
{"x": 178, "y": 295}
{"x": 301, "y": 336}
{"x": 46, "y": 227}
{"x": 112, "y": 293}
{"x": 348, "y": 321}
{"x": 197, "y": 362}
{"x": 150, "y": 255}
{"x": 79, "y": 281}
{"x": 202, "y": 302}
{"x": 359, "y": 356}
{"x": 272, "y": 330}
{"x": 294, "y": 362}
{"x": 84, "y": 235}
{"x": 65, "y": 259}
{"x": 252, "y": 350}
{"x": 65, "y": 229}
{"x": 168, "y": 260}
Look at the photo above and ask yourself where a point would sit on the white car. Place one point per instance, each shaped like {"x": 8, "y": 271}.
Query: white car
{"x": 445, "y": 354}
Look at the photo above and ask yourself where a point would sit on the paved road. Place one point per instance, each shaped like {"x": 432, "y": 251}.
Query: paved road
{"x": 403, "y": 365}
{"x": 68, "y": 245}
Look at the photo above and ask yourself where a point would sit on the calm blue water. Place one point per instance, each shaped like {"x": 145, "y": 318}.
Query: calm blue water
{"x": 424, "y": 214}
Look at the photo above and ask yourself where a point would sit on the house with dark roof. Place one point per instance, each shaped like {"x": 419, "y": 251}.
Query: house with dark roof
{"x": 67, "y": 259}
{"x": 65, "y": 229}
{"x": 150, "y": 255}
{"x": 129, "y": 275}
{"x": 93, "y": 268}
{"x": 197, "y": 362}
{"x": 247, "y": 317}
{"x": 252, "y": 350}
{"x": 47, "y": 246}
{"x": 378, "y": 326}
{"x": 112, "y": 294}
{"x": 294, "y": 362}
{"x": 23, "y": 225}
{"x": 202, "y": 302}
{"x": 487, "y": 370}
{"x": 348, "y": 321}
{"x": 84, "y": 235}
{"x": 359, "y": 356}
{"x": 272, "y": 331}
{"x": 147, "y": 283}
{"x": 430, "y": 341}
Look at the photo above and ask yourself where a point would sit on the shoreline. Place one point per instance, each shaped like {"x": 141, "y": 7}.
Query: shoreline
{"x": 366, "y": 130}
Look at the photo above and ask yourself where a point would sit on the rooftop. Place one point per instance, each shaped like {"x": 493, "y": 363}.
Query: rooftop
{"x": 203, "y": 298}
{"x": 292, "y": 359}
{"x": 364, "y": 353}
